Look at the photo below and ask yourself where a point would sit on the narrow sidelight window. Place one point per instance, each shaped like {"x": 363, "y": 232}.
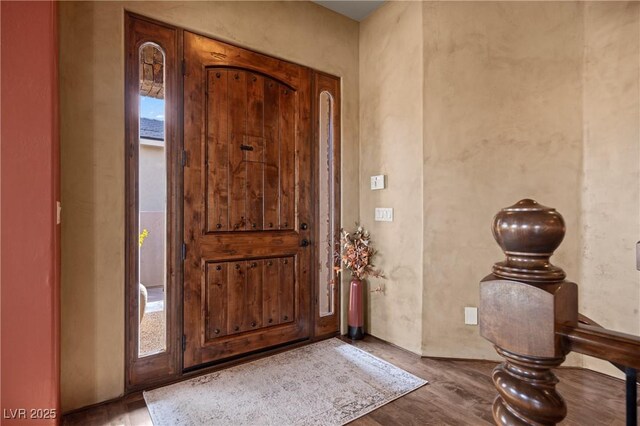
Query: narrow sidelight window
{"x": 326, "y": 123}
{"x": 152, "y": 203}
{"x": 153, "y": 179}
{"x": 327, "y": 275}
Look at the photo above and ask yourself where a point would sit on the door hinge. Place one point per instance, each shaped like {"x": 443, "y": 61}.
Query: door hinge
{"x": 184, "y": 342}
{"x": 184, "y": 67}
{"x": 184, "y": 158}
{"x": 184, "y": 251}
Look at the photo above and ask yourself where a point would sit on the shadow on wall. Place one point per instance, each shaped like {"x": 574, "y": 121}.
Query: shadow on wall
{"x": 81, "y": 243}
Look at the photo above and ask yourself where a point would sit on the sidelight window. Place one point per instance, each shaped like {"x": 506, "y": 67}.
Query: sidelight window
{"x": 327, "y": 275}
{"x": 152, "y": 203}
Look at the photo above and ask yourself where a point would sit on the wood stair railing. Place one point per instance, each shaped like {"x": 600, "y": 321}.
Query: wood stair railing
{"x": 530, "y": 313}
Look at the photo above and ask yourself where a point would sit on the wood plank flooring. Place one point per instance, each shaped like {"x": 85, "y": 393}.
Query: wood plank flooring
{"x": 459, "y": 393}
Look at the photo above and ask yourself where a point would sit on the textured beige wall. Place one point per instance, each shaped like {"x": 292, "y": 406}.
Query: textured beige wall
{"x": 391, "y": 144}
{"x": 502, "y": 121}
{"x": 153, "y": 178}
{"x": 609, "y": 282}
{"x": 92, "y": 139}
{"x": 519, "y": 99}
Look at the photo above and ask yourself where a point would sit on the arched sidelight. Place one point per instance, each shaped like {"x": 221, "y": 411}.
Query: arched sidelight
{"x": 327, "y": 123}
{"x": 327, "y": 275}
{"x": 152, "y": 184}
{"x": 152, "y": 202}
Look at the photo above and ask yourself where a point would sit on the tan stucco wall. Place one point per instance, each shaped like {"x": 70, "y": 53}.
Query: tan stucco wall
{"x": 609, "y": 282}
{"x": 153, "y": 177}
{"x": 152, "y": 196}
{"x": 519, "y": 99}
{"x": 92, "y": 139}
{"x": 391, "y": 144}
{"x": 502, "y": 121}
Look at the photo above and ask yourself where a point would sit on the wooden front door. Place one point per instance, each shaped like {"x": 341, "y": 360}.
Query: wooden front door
{"x": 247, "y": 201}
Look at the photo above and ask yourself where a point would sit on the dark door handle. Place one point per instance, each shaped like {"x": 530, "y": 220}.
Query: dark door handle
{"x": 304, "y": 226}
{"x": 304, "y": 243}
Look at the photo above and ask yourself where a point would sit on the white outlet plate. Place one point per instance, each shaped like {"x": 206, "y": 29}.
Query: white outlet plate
{"x": 377, "y": 182}
{"x": 471, "y": 315}
{"x": 383, "y": 214}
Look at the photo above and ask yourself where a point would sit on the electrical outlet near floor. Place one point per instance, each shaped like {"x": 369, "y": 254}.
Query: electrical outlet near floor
{"x": 471, "y": 315}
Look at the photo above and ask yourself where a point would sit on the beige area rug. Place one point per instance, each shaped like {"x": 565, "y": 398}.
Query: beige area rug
{"x": 152, "y": 333}
{"x": 325, "y": 383}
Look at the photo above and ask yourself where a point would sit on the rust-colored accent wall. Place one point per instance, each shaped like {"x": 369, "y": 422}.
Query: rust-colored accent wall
{"x": 29, "y": 159}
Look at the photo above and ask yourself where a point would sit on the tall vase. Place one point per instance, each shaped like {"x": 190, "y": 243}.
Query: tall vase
{"x": 356, "y": 313}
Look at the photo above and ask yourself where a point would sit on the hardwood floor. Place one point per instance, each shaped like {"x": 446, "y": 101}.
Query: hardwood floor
{"x": 459, "y": 393}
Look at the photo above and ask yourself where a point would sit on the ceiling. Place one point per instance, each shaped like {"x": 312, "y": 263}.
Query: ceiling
{"x": 354, "y": 9}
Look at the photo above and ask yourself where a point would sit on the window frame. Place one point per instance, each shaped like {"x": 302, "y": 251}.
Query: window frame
{"x": 142, "y": 372}
{"x": 327, "y": 325}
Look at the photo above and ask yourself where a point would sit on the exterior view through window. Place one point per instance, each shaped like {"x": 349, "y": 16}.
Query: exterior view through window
{"x": 152, "y": 203}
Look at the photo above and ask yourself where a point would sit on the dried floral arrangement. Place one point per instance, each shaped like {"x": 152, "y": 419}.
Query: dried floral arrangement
{"x": 356, "y": 253}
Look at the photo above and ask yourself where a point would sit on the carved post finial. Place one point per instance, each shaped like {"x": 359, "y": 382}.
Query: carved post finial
{"x": 528, "y": 233}
{"x": 521, "y": 304}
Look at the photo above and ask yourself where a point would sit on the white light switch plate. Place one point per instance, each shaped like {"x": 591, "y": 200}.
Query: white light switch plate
{"x": 471, "y": 315}
{"x": 377, "y": 182}
{"x": 383, "y": 214}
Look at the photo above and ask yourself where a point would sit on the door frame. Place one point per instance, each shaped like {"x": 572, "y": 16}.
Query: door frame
{"x": 322, "y": 82}
{"x": 159, "y": 369}
{"x": 154, "y": 369}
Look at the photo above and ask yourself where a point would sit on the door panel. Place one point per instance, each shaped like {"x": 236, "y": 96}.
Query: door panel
{"x": 272, "y": 156}
{"x": 247, "y": 277}
{"x": 248, "y": 295}
{"x": 216, "y": 299}
{"x": 218, "y": 149}
{"x": 287, "y": 141}
{"x": 285, "y": 293}
{"x": 241, "y": 129}
{"x": 237, "y": 115}
{"x": 270, "y": 290}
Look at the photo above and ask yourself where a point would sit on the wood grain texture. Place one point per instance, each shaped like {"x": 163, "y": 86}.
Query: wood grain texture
{"x": 235, "y": 303}
{"x": 217, "y": 146}
{"x": 287, "y": 158}
{"x": 286, "y": 290}
{"x": 270, "y": 290}
{"x": 459, "y": 393}
{"x": 618, "y": 348}
{"x": 216, "y": 299}
{"x": 271, "y": 156}
{"x": 251, "y": 288}
{"x": 266, "y": 116}
{"x": 521, "y": 304}
{"x": 255, "y": 157}
{"x": 530, "y": 313}
{"x": 237, "y": 137}
{"x": 249, "y": 137}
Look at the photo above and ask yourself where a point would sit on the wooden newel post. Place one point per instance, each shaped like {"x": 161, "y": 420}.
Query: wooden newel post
{"x": 522, "y": 305}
